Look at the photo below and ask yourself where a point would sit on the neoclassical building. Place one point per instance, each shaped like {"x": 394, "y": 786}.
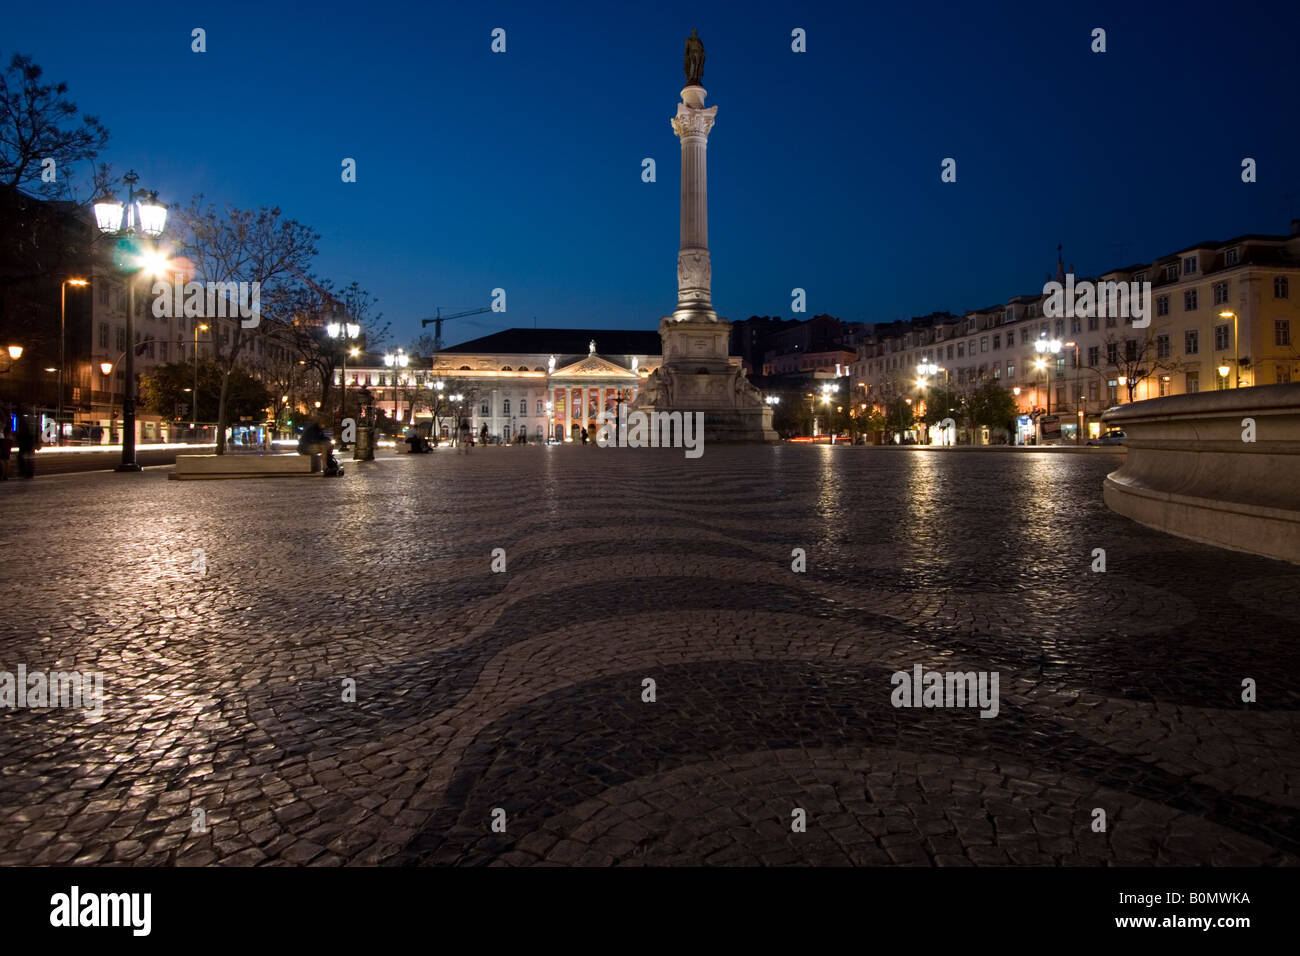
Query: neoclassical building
{"x": 535, "y": 382}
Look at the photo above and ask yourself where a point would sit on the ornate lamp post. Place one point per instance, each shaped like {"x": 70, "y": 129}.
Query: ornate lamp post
{"x": 347, "y": 331}
{"x": 139, "y": 217}
{"x": 396, "y": 361}
{"x": 63, "y": 338}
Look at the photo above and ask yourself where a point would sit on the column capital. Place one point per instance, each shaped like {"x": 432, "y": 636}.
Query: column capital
{"x": 690, "y": 121}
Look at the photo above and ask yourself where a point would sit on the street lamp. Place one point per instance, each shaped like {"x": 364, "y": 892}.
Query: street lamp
{"x": 345, "y": 331}
{"x": 1045, "y": 347}
{"x": 139, "y": 217}
{"x": 395, "y": 361}
{"x": 63, "y": 338}
{"x": 194, "y": 403}
{"x": 1236, "y": 349}
{"x": 15, "y": 353}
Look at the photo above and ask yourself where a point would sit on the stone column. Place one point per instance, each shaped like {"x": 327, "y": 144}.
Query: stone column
{"x": 694, "y": 276}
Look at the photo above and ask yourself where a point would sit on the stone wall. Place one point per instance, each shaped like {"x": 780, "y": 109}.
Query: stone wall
{"x": 1219, "y": 467}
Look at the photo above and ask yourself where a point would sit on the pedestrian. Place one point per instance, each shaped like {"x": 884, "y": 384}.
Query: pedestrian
{"x": 584, "y": 436}
{"x": 465, "y": 443}
{"x": 314, "y": 441}
{"x": 26, "y": 448}
{"x": 482, "y": 435}
{"x": 6, "y": 446}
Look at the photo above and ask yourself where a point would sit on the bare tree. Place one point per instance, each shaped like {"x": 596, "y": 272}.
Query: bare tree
{"x": 259, "y": 247}
{"x": 1135, "y": 356}
{"x": 39, "y": 123}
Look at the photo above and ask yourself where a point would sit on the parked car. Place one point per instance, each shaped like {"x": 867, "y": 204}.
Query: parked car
{"x": 1115, "y": 437}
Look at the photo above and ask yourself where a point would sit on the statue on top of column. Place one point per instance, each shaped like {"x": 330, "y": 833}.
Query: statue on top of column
{"x": 694, "y": 61}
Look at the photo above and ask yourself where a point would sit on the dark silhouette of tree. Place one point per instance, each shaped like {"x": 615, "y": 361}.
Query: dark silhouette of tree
{"x": 39, "y": 122}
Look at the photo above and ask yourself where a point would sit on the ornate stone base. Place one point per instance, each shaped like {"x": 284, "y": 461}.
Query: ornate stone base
{"x": 697, "y": 376}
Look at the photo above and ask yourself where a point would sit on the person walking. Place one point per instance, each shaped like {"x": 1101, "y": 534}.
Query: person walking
{"x": 465, "y": 443}
{"x": 26, "y": 447}
{"x": 482, "y": 434}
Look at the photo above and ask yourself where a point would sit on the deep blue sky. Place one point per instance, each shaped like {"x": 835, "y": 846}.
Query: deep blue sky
{"x": 523, "y": 170}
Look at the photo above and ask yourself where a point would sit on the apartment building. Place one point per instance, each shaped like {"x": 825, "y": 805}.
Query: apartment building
{"x": 1221, "y": 312}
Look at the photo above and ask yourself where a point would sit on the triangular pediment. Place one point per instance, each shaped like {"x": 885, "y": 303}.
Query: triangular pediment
{"x": 590, "y": 365}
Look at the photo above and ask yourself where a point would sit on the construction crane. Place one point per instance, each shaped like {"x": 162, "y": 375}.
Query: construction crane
{"x": 439, "y": 318}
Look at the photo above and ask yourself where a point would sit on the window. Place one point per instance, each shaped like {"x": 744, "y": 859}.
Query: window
{"x": 984, "y": 343}
{"x": 1189, "y": 300}
{"x": 1191, "y": 343}
{"x": 1230, "y": 257}
{"x": 1075, "y": 327}
{"x": 483, "y": 409}
{"x": 1094, "y": 389}
{"x": 997, "y": 371}
{"x": 997, "y": 341}
{"x": 1189, "y": 266}
{"x": 1011, "y": 370}
{"x": 149, "y": 349}
{"x": 1282, "y": 332}
{"x": 1193, "y": 382}
{"x": 1281, "y": 288}
{"x": 971, "y": 325}
{"x": 1110, "y": 321}
{"x": 1171, "y": 272}
{"x": 541, "y": 407}
{"x": 1060, "y": 328}
{"x": 162, "y": 351}
{"x": 1112, "y": 353}
{"x": 1024, "y": 335}
{"x": 505, "y": 407}
{"x": 961, "y": 349}
{"x": 103, "y": 335}
{"x": 1221, "y": 337}
{"x": 1283, "y": 374}
{"x": 1220, "y": 293}
{"x": 950, "y": 353}
{"x": 1162, "y": 346}
{"x": 1164, "y": 385}
{"x": 1162, "y": 305}
{"x": 103, "y": 294}
{"x": 120, "y": 338}
{"x": 1093, "y": 323}
{"x": 1139, "y": 277}
{"x": 1094, "y": 353}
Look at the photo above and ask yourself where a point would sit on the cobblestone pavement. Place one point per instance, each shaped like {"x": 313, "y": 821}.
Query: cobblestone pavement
{"x": 523, "y": 690}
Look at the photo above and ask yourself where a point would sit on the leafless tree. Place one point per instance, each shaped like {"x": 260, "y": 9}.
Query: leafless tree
{"x": 244, "y": 245}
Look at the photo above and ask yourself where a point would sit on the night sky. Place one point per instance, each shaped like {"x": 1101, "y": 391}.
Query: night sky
{"x": 523, "y": 170}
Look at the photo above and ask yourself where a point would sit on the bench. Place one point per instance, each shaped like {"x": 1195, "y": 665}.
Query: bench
{"x": 190, "y": 467}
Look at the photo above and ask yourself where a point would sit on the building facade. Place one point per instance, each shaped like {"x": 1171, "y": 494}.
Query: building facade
{"x": 519, "y": 384}
{"x": 1221, "y": 313}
